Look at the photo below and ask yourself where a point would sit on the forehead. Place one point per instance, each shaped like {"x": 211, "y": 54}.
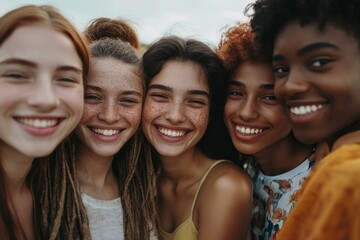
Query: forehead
{"x": 41, "y": 44}
{"x": 111, "y": 73}
{"x": 182, "y": 75}
{"x": 296, "y": 35}
{"x": 253, "y": 72}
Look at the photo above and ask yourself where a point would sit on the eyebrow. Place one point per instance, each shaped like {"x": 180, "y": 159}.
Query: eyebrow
{"x": 95, "y": 88}
{"x": 265, "y": 86}
{"x": 34, "y": 65}
{"x": 18, "y": 61}
{"x": 128, "y": 92}
{"x": 307, "y": 49}
{"x": 69, "y": 68}
{"x": 316, "y": 46}
{"x": 169, "y": 89}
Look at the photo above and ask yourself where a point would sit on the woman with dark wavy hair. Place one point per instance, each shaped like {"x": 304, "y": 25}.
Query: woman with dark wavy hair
{"x": 199, "y": 196}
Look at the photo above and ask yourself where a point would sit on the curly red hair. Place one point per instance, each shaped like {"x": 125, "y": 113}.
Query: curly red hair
{"x": 237, "y": 45}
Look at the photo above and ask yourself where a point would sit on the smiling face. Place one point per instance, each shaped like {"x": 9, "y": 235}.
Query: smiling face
{"x": 113, "y": 101}
{"x": 318, "y": 78}
{"x": 176, "y": 108}
{"x": 41, "y": 90}
{"x": 254, "y": 118}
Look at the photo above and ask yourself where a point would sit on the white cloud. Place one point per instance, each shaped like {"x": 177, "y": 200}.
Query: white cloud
{"x": 203, "y": 19}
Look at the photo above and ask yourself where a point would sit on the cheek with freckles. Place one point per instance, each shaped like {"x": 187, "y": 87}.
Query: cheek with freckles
{"x": 132, "y": 115}
{"x": 151, "y": 111}
{"x": 199, "y": 118}
{"x": 90, "y": 112}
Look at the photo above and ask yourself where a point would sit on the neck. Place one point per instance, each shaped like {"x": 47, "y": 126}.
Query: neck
{"x": 93, "y": 169}
{"x": 283, "y": 156}
{"x": 182, "y": 168}
{"x": 15, "y": 167}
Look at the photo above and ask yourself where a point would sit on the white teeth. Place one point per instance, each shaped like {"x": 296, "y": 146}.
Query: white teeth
{"x": 38, "y": 123}
{"x": 303, "y": 110}
{"x": 246, "y": 130}
{"x": 171, "y": 133}
{"x": 105, "y": 132}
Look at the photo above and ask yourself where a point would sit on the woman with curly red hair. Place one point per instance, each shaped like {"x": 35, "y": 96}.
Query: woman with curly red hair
{"x": 260, "y": 130}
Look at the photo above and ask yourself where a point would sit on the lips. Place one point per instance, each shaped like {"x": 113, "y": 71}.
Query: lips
{"x": 39, "y": 122}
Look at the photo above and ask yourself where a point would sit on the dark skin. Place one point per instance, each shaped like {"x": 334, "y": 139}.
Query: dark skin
{"x": 252, "y": 106}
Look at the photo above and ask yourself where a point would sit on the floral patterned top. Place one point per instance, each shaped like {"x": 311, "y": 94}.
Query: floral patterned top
{"x": 274, "y": 198}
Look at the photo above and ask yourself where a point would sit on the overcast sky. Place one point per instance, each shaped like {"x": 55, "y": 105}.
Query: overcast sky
{"x": 201, "y": 19}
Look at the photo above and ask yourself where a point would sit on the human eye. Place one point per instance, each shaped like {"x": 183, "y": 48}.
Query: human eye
{"x": 233, "y": 92}
{"x": 320, "y": 62}
{"x": 197, "y": 103}
{"x": 67, "y": 80}
{"x": 15, "y": 76}
{"x": 159, "y": 97}
{"x": 280, "y": 71}
{"x": 129, "y": 101}
{"x": 90, "y": 97}
{"x": 269, "y": 99}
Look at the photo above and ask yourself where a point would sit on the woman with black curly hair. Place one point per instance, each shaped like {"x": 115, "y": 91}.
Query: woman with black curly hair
{"x": 316, "y": 60}
{"x": 261, "y": 131}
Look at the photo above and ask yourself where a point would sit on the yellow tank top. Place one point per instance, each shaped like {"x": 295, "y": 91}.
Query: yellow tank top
{"x": 187, "y": 230}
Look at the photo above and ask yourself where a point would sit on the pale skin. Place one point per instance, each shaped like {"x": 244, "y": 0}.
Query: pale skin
{"x": 113, "y": 101}
{"x": 180, "y": 104}
{"x": 33, "y": 124}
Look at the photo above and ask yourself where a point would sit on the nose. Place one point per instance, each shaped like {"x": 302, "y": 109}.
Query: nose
{"x": 109, "y": 112}
{"x": 293, "y": 86}
{"x": 248, "y": 110}
{"x": 43, "y": 95}
{"x": 175, "y": 113}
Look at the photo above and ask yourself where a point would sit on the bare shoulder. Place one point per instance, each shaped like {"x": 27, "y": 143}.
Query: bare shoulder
{"x": 223, "y": 207}
{"x": 227, "y": 178}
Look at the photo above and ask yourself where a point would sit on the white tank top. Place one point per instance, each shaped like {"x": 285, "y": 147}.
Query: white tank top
{"x": 105, "y": 218}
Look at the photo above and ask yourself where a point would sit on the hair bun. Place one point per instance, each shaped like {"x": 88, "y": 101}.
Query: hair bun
{"x": 101, "y": 28}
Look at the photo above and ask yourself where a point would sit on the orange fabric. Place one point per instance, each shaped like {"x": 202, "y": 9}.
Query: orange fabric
{"x": 329, "y": 205}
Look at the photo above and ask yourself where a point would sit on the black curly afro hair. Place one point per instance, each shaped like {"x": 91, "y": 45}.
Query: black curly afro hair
{"x": 268, "y": 17}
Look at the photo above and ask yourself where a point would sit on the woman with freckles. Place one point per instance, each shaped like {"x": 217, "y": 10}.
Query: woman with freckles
{"x": 41, "y": 102}
{"x": 112, "y": 171}
{"x": 199, "y": 197}
{"x": 261, "y": 131}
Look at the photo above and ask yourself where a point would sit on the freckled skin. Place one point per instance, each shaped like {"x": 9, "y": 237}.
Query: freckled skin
{"x": 108, "y": 106}
{"x": 176, "y": 109}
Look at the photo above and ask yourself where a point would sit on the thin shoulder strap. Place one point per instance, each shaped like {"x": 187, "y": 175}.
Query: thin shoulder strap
{"x": 202, "y": 181}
